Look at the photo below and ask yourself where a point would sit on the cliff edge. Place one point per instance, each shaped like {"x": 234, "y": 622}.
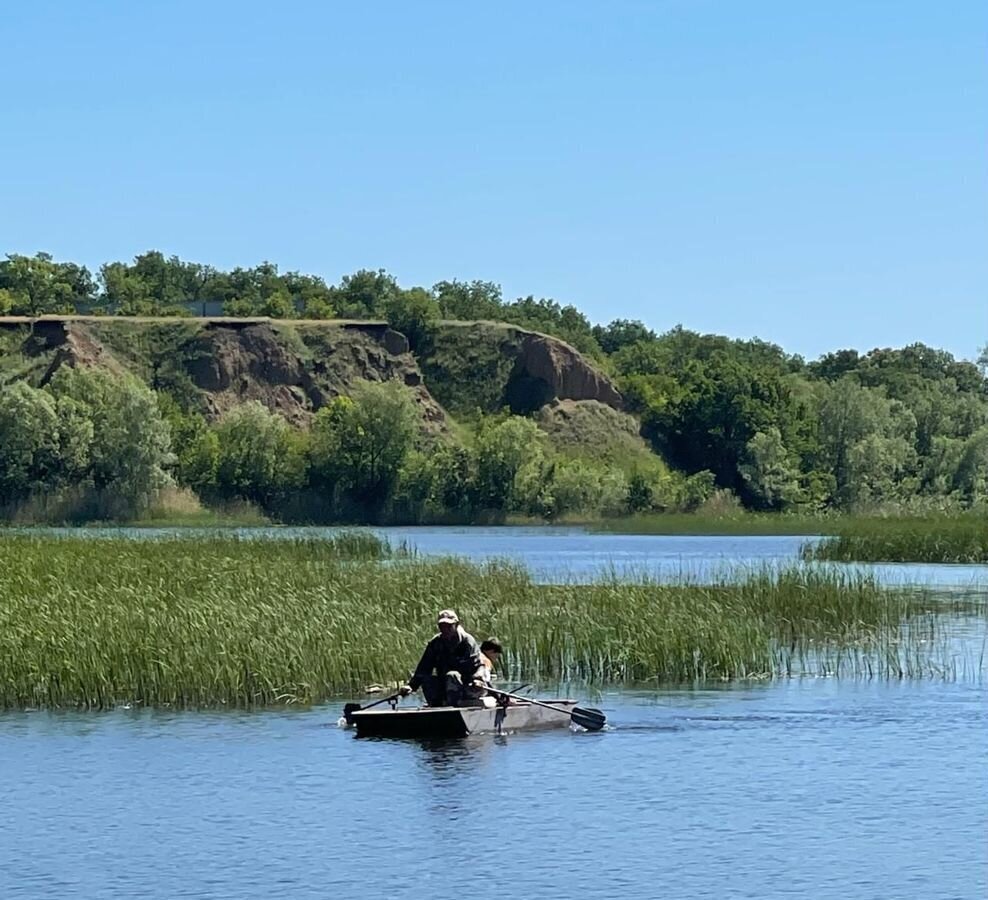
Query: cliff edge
{"x": 295, "y": 367}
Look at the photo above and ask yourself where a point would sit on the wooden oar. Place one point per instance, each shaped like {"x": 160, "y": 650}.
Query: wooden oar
{"x": 351, "y": 708}
{"x": 585, "y": 717}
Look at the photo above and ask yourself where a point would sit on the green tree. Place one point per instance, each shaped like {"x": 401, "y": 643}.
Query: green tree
{"x": 37, "y": 285}
{"x": 434, "y": 482}
{"x": 639, "y": 493}
{"x": 415, "y": 314}
{"x": 706, "y": 417}
{"x": 278, "y": 305}
{"x": 29, "y": 440}
{"x": 509, "y": 452}
{"x": 124, "y": 292}
{"x": 310, "y": 295}
{"x": 196, "y": 447}
{"x": 865, "y": 439}
{"x": 672, "y": 351}
{"x": 255, "y": 292}
{"x": 359, "y": 443}
{"x": 770, "y": 473}
{"x": 365, "y": 294}
{"x": 473, "y": 301}
{"x": 876, "y": 467}
{"x": 549, "y": 317}
{"x": 261, "y": 458}
{"x": 452, "y": 474}
{"x": 130, "y": 454}
{"x": 697, "y": 489}
{"x": 970, "y": 477}
{"x": 622, "y": 333}
{"x": 583, "y": 487}
{"x": 75, "y": 441}
{"x": 156, "y": 285}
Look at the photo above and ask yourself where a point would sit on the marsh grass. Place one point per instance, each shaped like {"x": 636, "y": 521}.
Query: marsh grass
{"x": 942, "y": 539}
{"x": 733, "y": 523}
{"x": 220, "y": 621}
{"x": 176, "y": 507}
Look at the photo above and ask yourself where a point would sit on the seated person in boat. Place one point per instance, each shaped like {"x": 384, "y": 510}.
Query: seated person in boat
{"x": 490, "y": 653}
{"x": 450, "y": 672}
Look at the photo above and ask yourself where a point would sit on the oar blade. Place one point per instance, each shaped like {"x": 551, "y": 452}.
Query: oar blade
{"x": 587, "y": 717}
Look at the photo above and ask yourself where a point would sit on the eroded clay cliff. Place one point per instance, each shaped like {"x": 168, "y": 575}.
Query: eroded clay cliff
{"x": 294, "y": 368}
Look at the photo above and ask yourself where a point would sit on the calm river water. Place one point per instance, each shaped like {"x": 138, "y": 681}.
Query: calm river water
{"x": 812, "y": 787}
{"x": 570, "y": 553}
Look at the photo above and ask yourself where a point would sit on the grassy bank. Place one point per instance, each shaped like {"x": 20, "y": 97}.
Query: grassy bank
{"x": 953, "y": 539}
{"x": 735, "y": 523}
{"x": 219, "y": 621}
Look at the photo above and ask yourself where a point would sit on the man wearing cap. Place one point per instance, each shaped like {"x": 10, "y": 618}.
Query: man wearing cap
{"x": 450, "y": 672}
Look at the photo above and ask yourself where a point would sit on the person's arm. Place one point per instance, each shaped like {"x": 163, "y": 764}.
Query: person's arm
{"x": 468, "y": 657}
{"x": 426, "y": 664}
{"x": 486, "y": 671}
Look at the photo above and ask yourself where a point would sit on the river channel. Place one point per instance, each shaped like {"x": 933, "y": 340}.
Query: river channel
{"x": 809, "y": 787}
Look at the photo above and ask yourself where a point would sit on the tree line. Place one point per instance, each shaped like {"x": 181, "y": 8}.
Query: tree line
{"x": 896, "y": 426}
{"x": 156, "y": 285}
{"x": 741, "y": 419}
{"x": 91, "y": 444}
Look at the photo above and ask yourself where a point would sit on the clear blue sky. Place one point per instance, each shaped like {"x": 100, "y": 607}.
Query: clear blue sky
{"x": 814, "y": 174}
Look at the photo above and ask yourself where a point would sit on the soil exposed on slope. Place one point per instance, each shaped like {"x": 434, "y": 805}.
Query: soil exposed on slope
{"x": 296, "y": 367}
{"x": 489, "y": 365}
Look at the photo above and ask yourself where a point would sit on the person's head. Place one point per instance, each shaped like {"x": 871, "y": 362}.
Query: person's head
{"x": 492, "y": 649}
{"x": 449, "y": 624}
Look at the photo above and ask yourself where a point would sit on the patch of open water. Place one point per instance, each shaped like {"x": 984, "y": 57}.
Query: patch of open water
{"x": 818, "y": 787}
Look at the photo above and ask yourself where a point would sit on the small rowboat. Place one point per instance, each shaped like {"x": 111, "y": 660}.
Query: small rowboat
{"x": 459, "y": 721}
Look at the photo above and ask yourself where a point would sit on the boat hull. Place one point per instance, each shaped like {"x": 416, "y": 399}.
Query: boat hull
{"x": 453, "y": 721}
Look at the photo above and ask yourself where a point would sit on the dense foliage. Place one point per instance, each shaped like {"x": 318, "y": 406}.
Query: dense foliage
{"x": 737, "y": 420}
{"x": 91, "y": 444}
{"x": 893, "y": 427}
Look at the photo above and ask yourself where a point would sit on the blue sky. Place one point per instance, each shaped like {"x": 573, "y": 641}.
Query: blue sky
{"x": 812, "y": 174}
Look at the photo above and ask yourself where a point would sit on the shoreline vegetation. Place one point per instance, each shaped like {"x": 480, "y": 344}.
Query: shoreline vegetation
{"x": 238, "y": 622}
{"x": 943, "y": 539}
{"x": 960, "y": 538}
{"x": 366, "y": 402}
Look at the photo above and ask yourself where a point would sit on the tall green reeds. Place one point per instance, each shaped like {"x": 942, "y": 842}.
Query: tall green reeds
{"x": 944, "y": 539}
{"x": 213, "y": 621}
{"x": 737, "y": 522}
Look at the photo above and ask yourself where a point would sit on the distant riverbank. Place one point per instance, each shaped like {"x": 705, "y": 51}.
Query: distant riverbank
{"x": 955, "y": 538}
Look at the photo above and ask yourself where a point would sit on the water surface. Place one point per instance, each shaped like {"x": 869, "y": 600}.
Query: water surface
{"x": 829, "y": 788}
{"x": 554, "y": 554}
{"x": 811, "y": 787}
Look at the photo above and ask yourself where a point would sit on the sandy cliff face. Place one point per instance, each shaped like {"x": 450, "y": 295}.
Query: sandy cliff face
{"x": 559, "y": 372}
{"x": 58, "y": 343}
{"x": 294, "y": 368}
{"x": 487, "y": 365}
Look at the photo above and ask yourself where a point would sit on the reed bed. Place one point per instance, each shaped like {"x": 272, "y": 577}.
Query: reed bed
{"x": 733, "y": 523}
{"x": 945, "y": 539}
{"x": 219, "y": 621}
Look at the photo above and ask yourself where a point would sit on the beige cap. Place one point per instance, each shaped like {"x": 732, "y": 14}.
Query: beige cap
{"x": 447, "y": 615}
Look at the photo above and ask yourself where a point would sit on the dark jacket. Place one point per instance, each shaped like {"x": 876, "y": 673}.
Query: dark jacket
{"x": 442, "y": 656}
